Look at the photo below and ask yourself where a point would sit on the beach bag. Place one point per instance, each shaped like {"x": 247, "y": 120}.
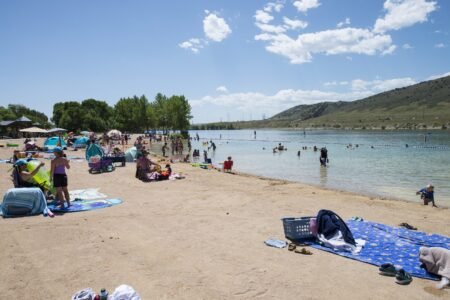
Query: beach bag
{"x": 124, "y": 292}
{"x": 85, "y": 294}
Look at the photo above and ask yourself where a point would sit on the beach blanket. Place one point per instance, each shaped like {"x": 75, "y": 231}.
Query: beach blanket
{"x": 84, "y": 205}
{"x": 386, "y": 244}
{"x": 86, "y": 194}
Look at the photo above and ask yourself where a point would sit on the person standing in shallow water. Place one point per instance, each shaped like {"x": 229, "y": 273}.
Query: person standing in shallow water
{"x": 323, "y": 157}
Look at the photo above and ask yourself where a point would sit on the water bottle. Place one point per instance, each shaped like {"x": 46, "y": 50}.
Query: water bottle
{"x": 103, "y": 294}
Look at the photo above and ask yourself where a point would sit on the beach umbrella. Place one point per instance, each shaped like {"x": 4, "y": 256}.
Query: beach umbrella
{"x": 114, "y": 133}
{"x": 53, "y": 130}
{"x": 34, "y": 130}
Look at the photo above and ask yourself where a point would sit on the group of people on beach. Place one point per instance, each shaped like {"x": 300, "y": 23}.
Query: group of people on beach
{"x": 146, "y": 169}
{"x": 22, "y": 177}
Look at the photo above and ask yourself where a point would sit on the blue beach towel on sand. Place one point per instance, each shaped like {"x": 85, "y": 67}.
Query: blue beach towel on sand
{"x": 386, "y": 244}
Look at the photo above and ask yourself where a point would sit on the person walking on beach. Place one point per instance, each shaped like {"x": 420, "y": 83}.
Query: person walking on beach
{"x": 164, "y": 148}
{"x": 58, "y": 174}
{"x": 427, "y": 195}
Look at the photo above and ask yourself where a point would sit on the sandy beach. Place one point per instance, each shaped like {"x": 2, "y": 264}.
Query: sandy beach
{"x": 197, "y": 238}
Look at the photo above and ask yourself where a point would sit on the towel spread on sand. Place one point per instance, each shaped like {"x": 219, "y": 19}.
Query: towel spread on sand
{"x": 86, "y": 194}
{"x": 386, "y": 244}
{"x": 436, "y": 260}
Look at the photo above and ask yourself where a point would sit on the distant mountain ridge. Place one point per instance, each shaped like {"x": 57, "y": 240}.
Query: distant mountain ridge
{"x": 422, "y": 105}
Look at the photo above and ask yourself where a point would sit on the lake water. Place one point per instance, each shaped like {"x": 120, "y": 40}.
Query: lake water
{"x": 382, "y": 165}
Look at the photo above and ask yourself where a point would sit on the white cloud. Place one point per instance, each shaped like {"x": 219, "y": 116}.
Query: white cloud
{"x": 273, "y": 6}
{"x": 343, "y": 23}
{"x": 305, "y": 5}
{"x": 378, "y": 86}
{"x": 407, "y": 46}
{"x": 222, "y": 89}
{"x": 329, "y": 42}
{"x": 215, "y": 28}
{"x": 294, "y": 24}
{"x": 404, "y": 13}
{"x": 193, "y": 44}
{"x": 254, "y": 102}
{"x": 263, "y": 17}
{"x": 389, "y": 50}
{"x": 440, "y": 45}
{"x": 271, "y": 28}
{"x": 438, "y": 76}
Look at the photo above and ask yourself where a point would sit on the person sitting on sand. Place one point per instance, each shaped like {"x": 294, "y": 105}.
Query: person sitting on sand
{"x": 427, "y": 195}
{"x": 166, "y": 173}
{"x": 144, "y": 170}
{"x": 227, "y": 165}
{"x": 21, "y": 177}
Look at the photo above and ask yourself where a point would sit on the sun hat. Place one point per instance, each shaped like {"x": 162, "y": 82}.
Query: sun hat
{"x": 57, "y": 149}
{"x": 430, "y": 186}
{"x": 20, "y": 162}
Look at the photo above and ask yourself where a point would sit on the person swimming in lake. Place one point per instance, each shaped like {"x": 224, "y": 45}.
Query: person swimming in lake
{"x": 58, "y": 174}
{"x": 427, "y": 195}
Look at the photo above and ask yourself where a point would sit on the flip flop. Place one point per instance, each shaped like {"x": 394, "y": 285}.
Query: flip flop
{"x": 407, "y": 226}
{"x": 303, "y": 251}
{"x": 292, "y": 247}
{"x": 403, "y": 277}
{"x": 387, "y": 270}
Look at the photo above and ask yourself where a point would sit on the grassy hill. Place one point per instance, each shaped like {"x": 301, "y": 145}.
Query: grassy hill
{"x": 420, "y": 106}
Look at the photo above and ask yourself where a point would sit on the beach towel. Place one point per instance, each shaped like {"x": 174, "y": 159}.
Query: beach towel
{"x": 386, "y": 244}
{"x": 86, "y": 194}
{"x": 84, "y": 205}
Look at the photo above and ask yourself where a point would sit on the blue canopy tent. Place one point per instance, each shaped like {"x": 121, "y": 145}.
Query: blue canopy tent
{"x": 54, "y": 141}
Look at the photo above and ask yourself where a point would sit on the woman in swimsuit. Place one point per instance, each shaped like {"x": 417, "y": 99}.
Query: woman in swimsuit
{"x": 58, "y": 173}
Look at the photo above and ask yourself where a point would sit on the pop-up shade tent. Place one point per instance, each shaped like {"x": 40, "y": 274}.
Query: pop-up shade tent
{"x": 94, "y": 150}
{"x": 130, "y": 154}
{"x": 81, "y": 142}
{"x": 54, "y": 141}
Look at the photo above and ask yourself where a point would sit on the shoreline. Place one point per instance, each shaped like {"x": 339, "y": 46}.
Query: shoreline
{"x": 198, "y": 238}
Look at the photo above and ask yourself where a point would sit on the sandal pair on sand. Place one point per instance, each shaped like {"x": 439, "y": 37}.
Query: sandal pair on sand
{"x": 401, "y": 276}
{"x": 407, "y": 226}
{"x": 293, "y": 247}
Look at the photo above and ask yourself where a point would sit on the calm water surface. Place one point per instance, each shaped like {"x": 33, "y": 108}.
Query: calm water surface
{"x": 382, "y": 165}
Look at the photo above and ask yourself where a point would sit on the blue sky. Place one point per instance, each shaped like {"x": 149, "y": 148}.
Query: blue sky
{"x": 232, "y": 59}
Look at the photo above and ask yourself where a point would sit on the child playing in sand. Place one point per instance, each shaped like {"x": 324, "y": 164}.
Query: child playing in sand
{"x": 228, "y": 165}
{"x": 427, "y": 195}
{"x": 59, "y": 177}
